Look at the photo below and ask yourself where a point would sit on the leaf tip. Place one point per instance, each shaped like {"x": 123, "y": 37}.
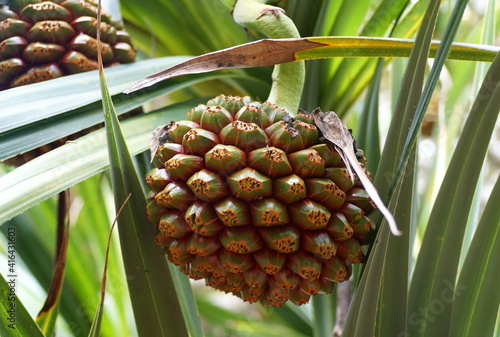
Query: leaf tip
{"x": 393, "y": 227}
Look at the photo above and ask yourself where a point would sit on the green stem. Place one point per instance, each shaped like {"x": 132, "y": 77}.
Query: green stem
{"x": 288, "y": 78}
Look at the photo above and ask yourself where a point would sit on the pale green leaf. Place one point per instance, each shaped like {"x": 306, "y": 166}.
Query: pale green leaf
{"x": 73, "y": 162}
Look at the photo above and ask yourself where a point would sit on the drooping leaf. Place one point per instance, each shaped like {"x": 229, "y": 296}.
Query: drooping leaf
{"x": 270, "y": 52}
{"x": 335, "y": 131}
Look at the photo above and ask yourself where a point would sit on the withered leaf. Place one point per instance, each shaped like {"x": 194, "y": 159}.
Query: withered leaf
{"x": 159, "y": 136}
{"x": 335, "y": 131}
{"x": 266, "y": 52}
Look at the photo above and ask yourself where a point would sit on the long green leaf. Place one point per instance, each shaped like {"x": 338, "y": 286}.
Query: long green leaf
{"x": 184, "y": 27}
{"x": 476, "y": 295}
{"x": 89, "y": 229}
{"x": 367, "y": 136}
{"x": 393, "y": 301}
{"x": 315, "y": 70}
{"x": 367, "y": 297}
{"x": 431, "y": 84}
{"x": 350, "y": 76}
{"x": 411, "y": 20}
{"x": 16, "y": 321}
{"x": 156, "y": 313}
{"x": 27, "y": 104}
{"x": 90, "y": 233}
{"x": 388, "y": 47}
{"x": 73, "y": 162}
{"x": 436, "y": 266}
{"x": 187, "y": 301}
{"x": 213, "y": 20}
{"x": 301, "y": 12}
{"x": 487, "y": 37}
{"x": 350, "y": 17}
{"x": 232, "y": 322}
{"x": 385, "y": 16}
{"x": 324, "y": 315}
{"x": 181, "y": 281}
{"x": 78, "y": 116}
{"x": 296, "y": 317}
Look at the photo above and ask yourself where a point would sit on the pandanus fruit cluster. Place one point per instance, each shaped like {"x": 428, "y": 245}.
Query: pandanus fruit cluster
{"x": 42, "y": 40}
{"x": 256, "y": 202}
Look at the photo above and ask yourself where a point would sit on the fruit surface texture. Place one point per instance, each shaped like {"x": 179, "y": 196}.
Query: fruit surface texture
{"x": 254, "y": 202}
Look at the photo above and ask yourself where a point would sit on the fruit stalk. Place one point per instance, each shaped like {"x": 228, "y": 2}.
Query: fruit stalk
{"x": 288, "y": 78}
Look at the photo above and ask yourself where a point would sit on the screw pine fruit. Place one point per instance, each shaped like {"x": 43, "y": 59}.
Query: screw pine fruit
{"x": 253, "y": 201}
{"x": 41, "y": 40}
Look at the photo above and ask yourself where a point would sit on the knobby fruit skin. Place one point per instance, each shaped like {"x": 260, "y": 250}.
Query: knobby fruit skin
{"x": 252, "y": 201}
{"x": 42, "y": 40}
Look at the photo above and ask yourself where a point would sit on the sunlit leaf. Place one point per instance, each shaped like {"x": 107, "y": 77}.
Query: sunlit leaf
{"x": 73, "y": 162}
{"x": 78, "y": 115}
{"x": 27, "y": 104}
{"x": 156, "y": 313}
{"x": 16, "y": 321}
